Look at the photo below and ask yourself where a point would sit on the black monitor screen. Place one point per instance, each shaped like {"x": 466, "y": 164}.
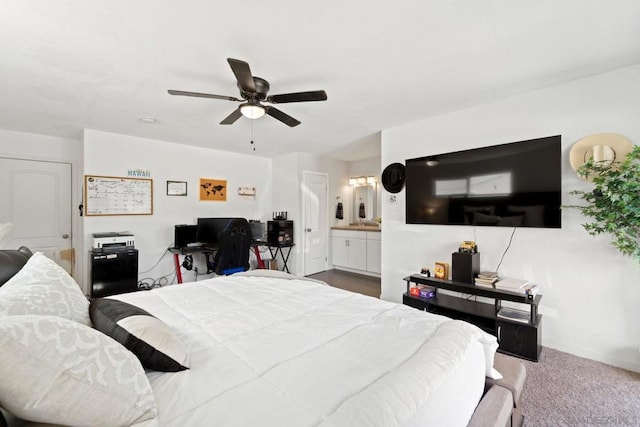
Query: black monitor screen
{"x": 184, "y": 235}
{"x": 512, "y": 185}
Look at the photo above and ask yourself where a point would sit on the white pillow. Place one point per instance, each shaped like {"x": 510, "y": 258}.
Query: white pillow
{"x": 43, "y": 287}
{"x": 61, "y": 372}
{"x": 146, "y": 336}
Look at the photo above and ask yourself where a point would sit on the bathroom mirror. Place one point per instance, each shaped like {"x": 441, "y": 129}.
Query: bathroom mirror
{"x": 364, "y": 203}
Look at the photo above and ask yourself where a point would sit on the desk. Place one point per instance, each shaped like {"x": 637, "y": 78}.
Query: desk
{"x": 206, "y": 250}
{"x": 285, "y": 258}
{"x": 255, "y": 245}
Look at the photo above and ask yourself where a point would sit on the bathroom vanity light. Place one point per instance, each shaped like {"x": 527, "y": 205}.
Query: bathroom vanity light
{"x": 362, "y": 180}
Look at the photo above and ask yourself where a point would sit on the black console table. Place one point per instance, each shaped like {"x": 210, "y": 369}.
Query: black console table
{"x": 514, "y": 338}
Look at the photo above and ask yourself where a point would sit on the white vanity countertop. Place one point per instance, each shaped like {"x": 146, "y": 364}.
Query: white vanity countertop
{"x": 357, "y": 227}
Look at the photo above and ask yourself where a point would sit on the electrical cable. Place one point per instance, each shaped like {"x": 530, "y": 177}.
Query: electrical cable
{"x": 506, "y": 249}
{"x": 149, "y": 283}
{"x": 157, "y": 262}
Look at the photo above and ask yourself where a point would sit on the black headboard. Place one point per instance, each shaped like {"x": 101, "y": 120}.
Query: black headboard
{"x": 11, "y": 261}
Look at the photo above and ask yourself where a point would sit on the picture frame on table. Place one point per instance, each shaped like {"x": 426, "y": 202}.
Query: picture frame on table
{"x": 441, "y": 270}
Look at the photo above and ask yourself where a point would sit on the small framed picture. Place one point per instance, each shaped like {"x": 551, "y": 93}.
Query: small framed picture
{"x": 441, "y": 270}
{"x": 176, "y": 188}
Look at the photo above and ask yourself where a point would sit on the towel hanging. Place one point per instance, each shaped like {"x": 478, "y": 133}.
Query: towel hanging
{"x": 361, "y": 211}
{"x": 340, "y": 211}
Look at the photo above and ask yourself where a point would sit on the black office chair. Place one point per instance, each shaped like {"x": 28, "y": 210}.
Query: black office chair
{"x": 234, "y": 243}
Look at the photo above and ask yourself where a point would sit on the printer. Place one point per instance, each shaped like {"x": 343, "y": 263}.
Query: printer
{"x": 113, "y": 241}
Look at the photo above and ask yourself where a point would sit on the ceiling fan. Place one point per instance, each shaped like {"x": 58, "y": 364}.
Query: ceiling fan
{"x": 253, "y": 91}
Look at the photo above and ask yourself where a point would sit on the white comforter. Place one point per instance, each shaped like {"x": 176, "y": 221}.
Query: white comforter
{"x": 275, "y": 352}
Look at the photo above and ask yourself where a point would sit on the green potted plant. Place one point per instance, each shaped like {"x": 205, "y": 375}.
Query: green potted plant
{"x": 614, "y": 203}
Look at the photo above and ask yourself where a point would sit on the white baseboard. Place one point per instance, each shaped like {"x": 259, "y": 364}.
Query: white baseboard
{"x": 609, "y": 359}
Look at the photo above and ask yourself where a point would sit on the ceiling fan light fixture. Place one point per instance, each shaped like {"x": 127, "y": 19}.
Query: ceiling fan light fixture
{"x": 252, "y": 111}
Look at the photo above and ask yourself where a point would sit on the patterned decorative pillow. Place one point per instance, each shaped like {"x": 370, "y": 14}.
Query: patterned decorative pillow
{"x": 43, "y": 287}
{"x": 61, "y": 372}
{"x": 148, "y": 337}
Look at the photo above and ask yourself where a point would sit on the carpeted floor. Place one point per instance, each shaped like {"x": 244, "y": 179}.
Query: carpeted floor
{"x": 566, "y": 390}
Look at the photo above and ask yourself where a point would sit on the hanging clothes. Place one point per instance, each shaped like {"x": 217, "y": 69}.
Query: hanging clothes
{"x": 340, "y": 211}
{"x": 361, "y": 211}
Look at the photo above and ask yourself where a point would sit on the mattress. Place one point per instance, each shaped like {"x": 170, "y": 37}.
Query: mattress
{"x": 291, "y": 352}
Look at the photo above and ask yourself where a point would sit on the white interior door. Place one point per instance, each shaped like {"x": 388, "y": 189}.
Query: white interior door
{"x": 315, "y": 222}
{"x": 36, "y": 199}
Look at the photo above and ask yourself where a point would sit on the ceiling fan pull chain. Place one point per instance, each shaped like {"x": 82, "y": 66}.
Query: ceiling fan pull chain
{"x": 252, "y": 144}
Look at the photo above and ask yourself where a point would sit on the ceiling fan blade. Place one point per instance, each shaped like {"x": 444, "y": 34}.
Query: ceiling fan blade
{"x": 317, "y": 95}
{"x": 284, "y": 118}
{"x": 231, "y": 118}
{"x": 243, "y": 74}
{"x": 201, "y": 95}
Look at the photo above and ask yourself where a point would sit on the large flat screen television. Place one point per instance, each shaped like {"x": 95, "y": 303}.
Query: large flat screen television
{"x": 511, "y": 185}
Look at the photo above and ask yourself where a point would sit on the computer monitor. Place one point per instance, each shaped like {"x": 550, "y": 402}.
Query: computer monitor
{"x": 184, "y": 235}
{"x": 258, "y": 231}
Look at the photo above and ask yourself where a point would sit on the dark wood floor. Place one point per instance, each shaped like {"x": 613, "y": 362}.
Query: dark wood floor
{"x": 366, "y": 285}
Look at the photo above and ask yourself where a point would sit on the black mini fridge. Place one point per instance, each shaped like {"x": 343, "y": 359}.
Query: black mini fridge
{"x": 113, "y": 272}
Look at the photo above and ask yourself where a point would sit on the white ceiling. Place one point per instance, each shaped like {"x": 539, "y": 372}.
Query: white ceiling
{"x": 103, "y": 64}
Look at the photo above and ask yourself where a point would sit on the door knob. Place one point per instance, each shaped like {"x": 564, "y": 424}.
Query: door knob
{"x": 65, "y": 236}
{"x": 308, "y": 230}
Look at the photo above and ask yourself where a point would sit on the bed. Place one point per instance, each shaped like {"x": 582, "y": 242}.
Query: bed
{"x": 257, "y": 348}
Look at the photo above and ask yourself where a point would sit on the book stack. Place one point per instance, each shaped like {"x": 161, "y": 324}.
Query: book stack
{"x": 486, "y": 279}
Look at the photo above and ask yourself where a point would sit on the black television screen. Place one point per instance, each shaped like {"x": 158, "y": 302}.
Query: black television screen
{"x": 511, "y": 185}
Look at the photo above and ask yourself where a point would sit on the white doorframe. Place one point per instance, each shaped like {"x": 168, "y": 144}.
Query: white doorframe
{"x": 56, "y": 238}
{"x": 77, "y": 238}
{"x": 324, "y": 232}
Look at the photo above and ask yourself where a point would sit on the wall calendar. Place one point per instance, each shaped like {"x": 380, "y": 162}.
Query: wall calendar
{"x": 109, "y": 195}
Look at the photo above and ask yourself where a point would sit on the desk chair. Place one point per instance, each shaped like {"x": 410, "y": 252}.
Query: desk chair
{"x": 234, "y": 243}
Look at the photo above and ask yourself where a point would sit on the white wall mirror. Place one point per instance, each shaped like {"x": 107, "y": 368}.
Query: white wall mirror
{"x": 364, "y": 203}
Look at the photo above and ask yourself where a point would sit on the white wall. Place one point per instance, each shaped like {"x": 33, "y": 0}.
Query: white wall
{"x": 112, "y": 154}
{"x": 591, "y": 293}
